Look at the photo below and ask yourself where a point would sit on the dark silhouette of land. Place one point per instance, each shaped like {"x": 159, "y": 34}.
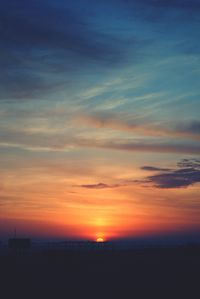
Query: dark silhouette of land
{"x": 172, "y": 272}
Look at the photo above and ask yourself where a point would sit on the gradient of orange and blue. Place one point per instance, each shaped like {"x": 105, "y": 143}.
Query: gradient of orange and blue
{"x": 99, "y": 118}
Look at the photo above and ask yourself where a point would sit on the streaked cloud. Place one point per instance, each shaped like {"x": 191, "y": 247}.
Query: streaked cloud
{"x": 65, "y": 141}
{"x": 106, "y": 120}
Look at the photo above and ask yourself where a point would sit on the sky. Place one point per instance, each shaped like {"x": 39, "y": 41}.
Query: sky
{"x": 99, "y": 118}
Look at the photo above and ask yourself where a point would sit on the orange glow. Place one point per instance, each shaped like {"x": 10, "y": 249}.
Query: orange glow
{"x": 99, "y": 240}
{"x": 44, "y": 207}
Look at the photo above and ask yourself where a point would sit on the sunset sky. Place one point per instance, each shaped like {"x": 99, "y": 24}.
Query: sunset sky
{"x": 99, "y": 118}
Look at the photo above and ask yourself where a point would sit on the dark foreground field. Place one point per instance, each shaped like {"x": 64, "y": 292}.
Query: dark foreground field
{"x": 148, "y": 273}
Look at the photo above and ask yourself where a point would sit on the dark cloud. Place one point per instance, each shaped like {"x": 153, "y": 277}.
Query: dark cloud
{"x": 151, "y": 168}
{"x": 100, "y": 186}
{"x": 187, "y": 174}
{"x": 188, "y": 163}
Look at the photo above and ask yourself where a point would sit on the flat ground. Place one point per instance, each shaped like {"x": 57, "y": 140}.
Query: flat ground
{"x": 148, "y": 273}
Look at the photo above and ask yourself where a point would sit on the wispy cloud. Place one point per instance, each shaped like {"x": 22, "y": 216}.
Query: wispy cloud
{"x": 55, "y": 141}
{"x": 189, "y": 130}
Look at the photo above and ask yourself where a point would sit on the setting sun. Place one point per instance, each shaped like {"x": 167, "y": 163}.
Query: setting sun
{"x": 99, "y": 240}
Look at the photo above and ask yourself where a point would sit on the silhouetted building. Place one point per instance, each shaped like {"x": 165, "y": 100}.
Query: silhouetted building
{"x": 19, "y": 243}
